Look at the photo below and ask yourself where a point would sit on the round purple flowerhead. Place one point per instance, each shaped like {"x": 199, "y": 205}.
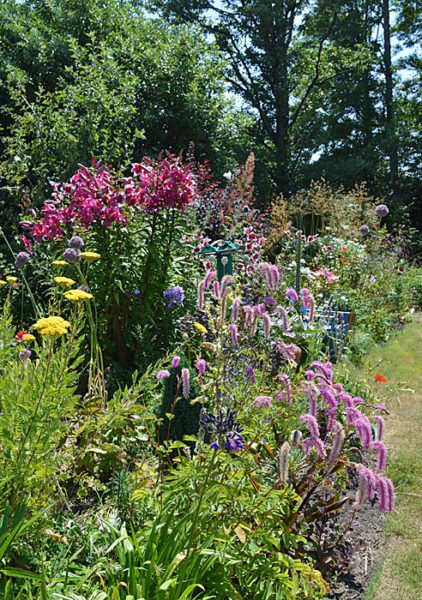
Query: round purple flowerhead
{"x": 364, "y": 229}
{"x": 21, "y": 259}
{"x": 174, "y": 295}
{"x": 25, "y": 354}
{"x": 76, "y": 242}
{"x": 381, "y": 210}
{"x": 71, "y": 255}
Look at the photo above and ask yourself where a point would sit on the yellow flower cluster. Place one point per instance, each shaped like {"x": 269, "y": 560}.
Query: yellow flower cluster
{"x": 64, "y": 282}
{"x": 28, "y": 337}
{"x": 200, "y": 328}
{"x": 52, "y": 326}
{"x": 2, "y": 283}
{"x": 77, "y": 295}
{"x": 11, "y": 279}
{"x": 59, "y": 263}
{"x": 89, "y": 256}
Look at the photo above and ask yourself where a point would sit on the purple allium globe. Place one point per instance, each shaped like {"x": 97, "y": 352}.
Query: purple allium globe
{"x": 21, "y": 259}
{"x": 25, "y": 354}
{"x": 364, "y": 229}
{"x": 76, "y": 242}
{"x": 381, "y": 210}
{"x": 71, "y": 255}
{"x": 174, "y": 295}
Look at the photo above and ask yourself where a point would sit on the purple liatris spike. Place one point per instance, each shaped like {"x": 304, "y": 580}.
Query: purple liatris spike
{"x": 208, "y": 278}
{"x": 201, "y": 365}
{"x": 287, "y": 387}
{"x": 338, "y": 440}
{"x": 311, "y": 423}
{"x": 274, "y": 274}
{"x": 163, "y": 374}
{"x": 267, "y": 325}
{"x": 381, "y": 456}
{"x": 383, "y": 490}
{"x": 263, "y": 401}
{"x": 364, "y": 431}
{"x": 185, "y": 383}
{"x": 346, "y": 398}
{"x": 233, "y": 333}
{"x": 284, "y": 320}
{"x": 175, "y": 362}
{"x": 248, "y": 315}
{"x": 235, "y": 309}
{"x": 216, "y": 288}
{"x": 352, "y": 414}
{"x": 361, "y": 493}
{"x": 313, "y": 442}
{"x": 225, "y": 285}
{"x": 327, "y": 392}
{"x": 200, "y": 300}
{"x": 292, "y": 295}
{"x": 380, "y": 427}
{"x": 311, "y": 392}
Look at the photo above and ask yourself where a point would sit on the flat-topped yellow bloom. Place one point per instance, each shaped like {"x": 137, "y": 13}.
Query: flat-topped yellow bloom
{"x": 28, "y": 337}
{"x": 77, "y": 295}
{"x": 59, "y": 263}
{"x": 2, "y": 282}
{"x": 11, "y": 279}
{"x": 200, "y": 328}
{"x": 89, "y": 256}
{"x": 52, "y": 326}
{"x": 64, "y": 282}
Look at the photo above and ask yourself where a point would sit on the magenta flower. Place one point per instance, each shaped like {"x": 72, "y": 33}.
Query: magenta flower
{"x": 201, "y": 366}
{"x": 380, "y": 427}
{"x": 263, "y": 401}
{"x": 200, "y": 300}
{"x": 292, "y": 294}
{"x": 208, "y": 278}
{"x": 338, "y": 440}
{"x": 175, "y": 362}
{"x": 216, "y": 288}
{"x": 287, "y": 387}
{"x": 267, "y": 325}
{"x": 163, "y": 374}
{"x": 364, "y": 431}
{"x": 381, "y": 456}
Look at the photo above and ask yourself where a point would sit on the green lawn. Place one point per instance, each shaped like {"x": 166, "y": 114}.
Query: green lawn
{"x": 400, "y": 362}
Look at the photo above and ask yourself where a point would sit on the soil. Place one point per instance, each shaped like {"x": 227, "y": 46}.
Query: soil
{"x": 367, "y": 537}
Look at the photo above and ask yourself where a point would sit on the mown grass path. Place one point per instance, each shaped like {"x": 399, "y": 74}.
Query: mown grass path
{"x": 400, "y": 362}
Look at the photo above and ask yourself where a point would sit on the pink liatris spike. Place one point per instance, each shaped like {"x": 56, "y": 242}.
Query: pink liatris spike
{"x": 235, "y": 309}
{"x": 267, "y": 325}
{"x": 200, "y": 301}
{"x": 201, "y": 366}
{"x": 364, "y": 431}
{"x": 216, "y": 288}
{"x": 233, "y": 332}
{"x": 380, "y": 427}
{"x": 185, "y": 383}
{"x": 287, "y": 387}
{"x": 338, "y": 440}
{"x": 381, "y": 456}
{"x": 311, "y": 423}
{"x": 208, "y": 278}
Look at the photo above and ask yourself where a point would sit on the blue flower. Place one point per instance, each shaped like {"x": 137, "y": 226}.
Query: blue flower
{"x": 225, "y": 427}
{"x": 174, "y": 295}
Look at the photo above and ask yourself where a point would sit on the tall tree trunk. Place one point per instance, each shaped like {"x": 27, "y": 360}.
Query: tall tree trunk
{"x": 390, "y": 125}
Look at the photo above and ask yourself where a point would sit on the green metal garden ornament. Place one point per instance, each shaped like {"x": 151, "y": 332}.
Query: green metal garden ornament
{"x": 223, "y": 250}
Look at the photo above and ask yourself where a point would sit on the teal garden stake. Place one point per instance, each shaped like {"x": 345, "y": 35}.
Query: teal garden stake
{"x": 223, "y": 251}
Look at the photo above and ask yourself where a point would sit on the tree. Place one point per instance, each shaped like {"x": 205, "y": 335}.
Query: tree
{"x": 280, "y": 56}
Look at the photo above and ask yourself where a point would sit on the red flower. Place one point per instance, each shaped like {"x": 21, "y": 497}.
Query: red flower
{"x": 19, "y": 335}
{"x": 380, "y": 378}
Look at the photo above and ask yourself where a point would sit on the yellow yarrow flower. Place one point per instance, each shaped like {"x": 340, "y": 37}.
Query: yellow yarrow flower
{"x": 77, "y": 295}
{"x": 52, "y": 326}
{"x": 64, "y": 282}
{"x": 59, "y": 263}
{"x": 11, "y": 279}
{"x": 2, "y": 282}
{"x": 28, "y": 337}
{"x": 89, "y": 256}
{"x": 200, "y": 328}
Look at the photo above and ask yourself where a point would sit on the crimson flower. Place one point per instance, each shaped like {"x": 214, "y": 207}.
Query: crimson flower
{"x": 380, "y": 378}
{"x": 20, "y": 334}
